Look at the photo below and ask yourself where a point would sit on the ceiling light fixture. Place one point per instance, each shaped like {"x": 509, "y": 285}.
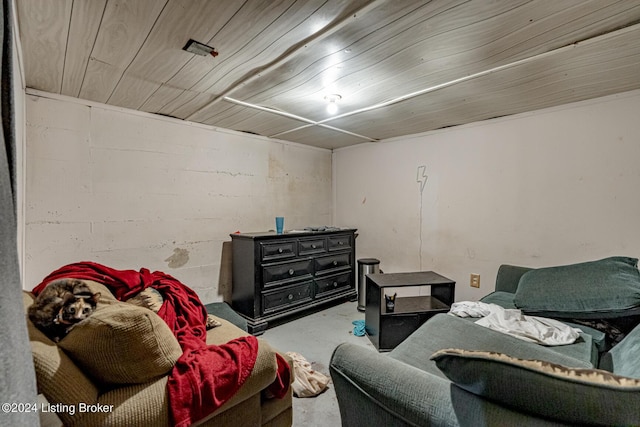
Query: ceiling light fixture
{"x": 199, "y": 48}
{"x": 332, "y": 106}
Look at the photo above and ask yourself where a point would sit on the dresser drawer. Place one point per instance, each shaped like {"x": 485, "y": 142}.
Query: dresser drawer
{"x": 289, "y": 296}
{"x": 336, "y": 243}
{"x": 278, "y": 250}
{"x": 332, "y": 263}
{"x": 274, "y": 273}
{"x": 311, "y": 246}
{"x": 332, "y": 284}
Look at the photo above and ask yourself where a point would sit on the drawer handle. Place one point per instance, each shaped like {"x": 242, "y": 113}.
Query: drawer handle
{"x": 291, "y": 272}
{"x": 340, "y": 243}
{"x": 290, "y": 297}
{"x": 335, "y": 284}
{"x": 335, "y": 262}
{"x": 313, "y": 246}
{"x": 280, "y": 250}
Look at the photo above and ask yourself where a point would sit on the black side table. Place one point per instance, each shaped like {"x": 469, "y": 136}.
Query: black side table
{"x": 388, "y": 329}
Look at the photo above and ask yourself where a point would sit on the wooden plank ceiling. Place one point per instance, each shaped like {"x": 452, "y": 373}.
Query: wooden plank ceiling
{"x": 400, "y": 66}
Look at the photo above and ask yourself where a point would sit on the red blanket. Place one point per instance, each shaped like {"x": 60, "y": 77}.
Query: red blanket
{"x": 205, "y": 376}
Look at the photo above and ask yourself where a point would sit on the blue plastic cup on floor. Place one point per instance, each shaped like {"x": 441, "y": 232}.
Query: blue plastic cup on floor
{"x": 279, "y": 224}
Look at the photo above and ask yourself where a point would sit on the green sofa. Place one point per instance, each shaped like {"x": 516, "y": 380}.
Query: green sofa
{"x": 410, "y": 387}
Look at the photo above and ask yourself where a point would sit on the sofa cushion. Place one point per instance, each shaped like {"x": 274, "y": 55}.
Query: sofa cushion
{"x": 574, "y": 395}
{"x": 503, "y": 299}
{"x": 446, "y": 331}
{"x": 121, "y": 343}
{"x": 606, "y": 288}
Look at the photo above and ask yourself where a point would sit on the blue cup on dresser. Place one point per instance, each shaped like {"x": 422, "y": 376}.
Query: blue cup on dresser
{"x": 279, "y": 224}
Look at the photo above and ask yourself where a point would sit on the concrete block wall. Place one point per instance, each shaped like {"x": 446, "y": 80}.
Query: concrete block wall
{"x": 132, "y": 190}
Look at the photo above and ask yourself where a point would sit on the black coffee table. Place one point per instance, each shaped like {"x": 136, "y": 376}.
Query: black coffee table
{"x": 386, "y": 329}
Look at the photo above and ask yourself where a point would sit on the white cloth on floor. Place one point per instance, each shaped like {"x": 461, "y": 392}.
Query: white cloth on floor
{"x": 540, "y": 330}
{"x": 307, "y": 381}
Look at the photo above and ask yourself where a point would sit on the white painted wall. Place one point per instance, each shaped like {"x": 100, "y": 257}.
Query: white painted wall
{"x": 545, "y": 188}
{"x": 133, "y": 190}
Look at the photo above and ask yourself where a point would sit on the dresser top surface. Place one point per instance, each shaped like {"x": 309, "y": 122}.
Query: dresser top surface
{"x": 290, "y": 234}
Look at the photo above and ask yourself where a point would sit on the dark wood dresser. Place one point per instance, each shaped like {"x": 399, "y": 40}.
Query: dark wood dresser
{"x": 277, "y": 275}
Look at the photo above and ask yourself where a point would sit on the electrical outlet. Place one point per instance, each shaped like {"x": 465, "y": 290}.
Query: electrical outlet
{"x": 475, "y": 280}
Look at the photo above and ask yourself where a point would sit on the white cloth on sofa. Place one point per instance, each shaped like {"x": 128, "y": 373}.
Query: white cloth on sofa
{"x": 473, "y": 309}
{"x": 540, "y": 330}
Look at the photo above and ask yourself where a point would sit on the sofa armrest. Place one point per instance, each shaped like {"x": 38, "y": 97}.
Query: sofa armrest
{"x": 263, "y": 374}
{"x": 623, "y": 358}
{"x": 147, "y": 404}
{"x": 374, "y": 389}
{"x": 266, "y": 364}
{"x": 264, "y": 371}
{"x": 508, "y": 277}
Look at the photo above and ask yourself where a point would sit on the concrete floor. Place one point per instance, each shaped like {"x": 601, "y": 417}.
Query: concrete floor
{"x": 315, "y": 337}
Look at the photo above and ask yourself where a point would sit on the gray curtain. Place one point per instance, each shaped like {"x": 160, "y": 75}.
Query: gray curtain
{"x": 17, "y": 379}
